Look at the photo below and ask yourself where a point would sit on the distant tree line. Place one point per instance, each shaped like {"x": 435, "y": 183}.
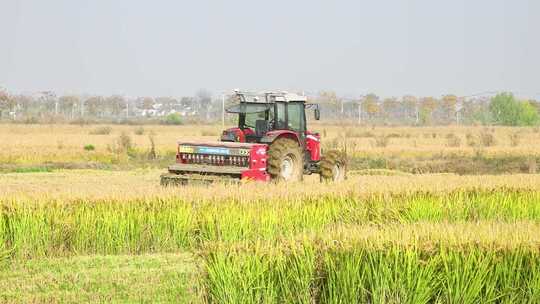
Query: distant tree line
{"x": 203, "y": 106}
{"x": 501, "y": 109}
{"x": 50, "y": 108}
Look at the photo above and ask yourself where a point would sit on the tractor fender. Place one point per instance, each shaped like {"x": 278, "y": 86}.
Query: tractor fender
{"x": 271, "y": 136}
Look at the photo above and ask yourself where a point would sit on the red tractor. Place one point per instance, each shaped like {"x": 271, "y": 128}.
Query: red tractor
{"x": 271, "y": 142}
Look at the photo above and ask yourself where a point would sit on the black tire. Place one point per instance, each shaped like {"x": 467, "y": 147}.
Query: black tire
{"x": 333, "y": 167}
{"x": 282, "y": 154}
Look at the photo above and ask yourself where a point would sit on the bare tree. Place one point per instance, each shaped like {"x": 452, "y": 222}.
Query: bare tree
{"x": 49, "y": 102}
{"x": 331, "y": 99}
{"x": 411, "y": 107}
{"x": 390, "y": 107}
{"x": 167, "y": 103}
{"x": 68, "y": 104}
{"x": 4, "y": 101}
{"x": 147, "y": 103}
{"x": 25, "y": 104}
{"x": 448, "y": 107}
{"x": 204, "y": 100}
{"x": 115, "y": 104}
{"x": 94, "y": 106}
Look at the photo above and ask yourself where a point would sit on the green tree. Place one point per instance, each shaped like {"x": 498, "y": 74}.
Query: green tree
{"x": 371, "y": 105}
{"x": 427, "y": 106}
{"x": 528, "y": 114}
{"x": 506, "y": 110}
{"x": 173, "y": 119}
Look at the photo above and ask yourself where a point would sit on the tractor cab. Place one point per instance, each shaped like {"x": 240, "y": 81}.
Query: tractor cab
{"x": 254, "y": 121}
{"x": 275, "y": 111}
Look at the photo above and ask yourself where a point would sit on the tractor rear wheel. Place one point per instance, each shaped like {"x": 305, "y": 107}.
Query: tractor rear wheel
{"x": 333, "y": 166}
{"x": 285, "y": 162}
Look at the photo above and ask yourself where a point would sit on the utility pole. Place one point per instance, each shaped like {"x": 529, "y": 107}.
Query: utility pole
{"x": 127, "y": 108}
{"x": 359, "y": 112}
{"x": 223, "y": 110}
{"x": 417, "y": 110}
{"x": 360, "y": 109}
{"x": 459, "y": 107}
{"x": 47, "y": 96}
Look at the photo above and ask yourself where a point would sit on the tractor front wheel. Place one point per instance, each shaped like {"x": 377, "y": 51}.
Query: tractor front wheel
{"x": 285, "y": 162}
{"x": 333, "y": 167}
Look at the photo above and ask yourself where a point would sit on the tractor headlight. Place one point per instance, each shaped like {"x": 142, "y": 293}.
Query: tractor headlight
{"x": 261, "y": 151}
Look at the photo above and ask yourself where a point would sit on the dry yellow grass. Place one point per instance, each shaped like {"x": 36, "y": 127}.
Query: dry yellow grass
{"x": 31, "y": 144}
{"x": 434, "y": 141}
{"x": 34, "y": 144}
{"x": 122, "y": 185}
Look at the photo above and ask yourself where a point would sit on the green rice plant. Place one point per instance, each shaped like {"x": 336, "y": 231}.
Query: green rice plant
{"x": 382, "y": 268}
{"x": 378, "y": 276}
{"x": 33, "y": 169}
{"x": 296, "y": 274}
{"x": 244, "y": 280}
{"x": 345, "y": 279}
{"x": 511, "y": 271}
{"x": 246, "y": 277}
{"x": 113, "y": 226}
{"x": 471, "y": 205}
{"x": 466, "y": 278}
{"x": 456, "y": 247}
{"x": 32, "y": 231}
{"x": 135, "y": 227}
{"x": 95, "y": 227}
{"x": 236, "y": 220}
{"x": 531, "y": 290}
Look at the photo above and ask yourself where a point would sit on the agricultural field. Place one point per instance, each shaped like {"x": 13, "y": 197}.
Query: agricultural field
{"x": 409, "y": 225}
{"x": 461, "y": 150}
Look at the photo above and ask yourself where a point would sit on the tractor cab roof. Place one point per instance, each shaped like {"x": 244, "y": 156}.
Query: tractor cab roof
{"x": 268, "y": 97}
{"x": 252, "y": 102}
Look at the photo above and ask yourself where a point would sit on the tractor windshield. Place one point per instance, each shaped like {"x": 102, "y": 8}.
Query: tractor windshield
{"x": 249, "y": 113}
{"x": 248, "y": 108}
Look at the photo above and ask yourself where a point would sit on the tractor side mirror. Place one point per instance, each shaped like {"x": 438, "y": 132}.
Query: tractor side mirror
{"x": 317, "y": 113}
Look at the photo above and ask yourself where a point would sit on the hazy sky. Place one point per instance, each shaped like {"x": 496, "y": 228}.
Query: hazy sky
{"x": 161, "y": 47}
